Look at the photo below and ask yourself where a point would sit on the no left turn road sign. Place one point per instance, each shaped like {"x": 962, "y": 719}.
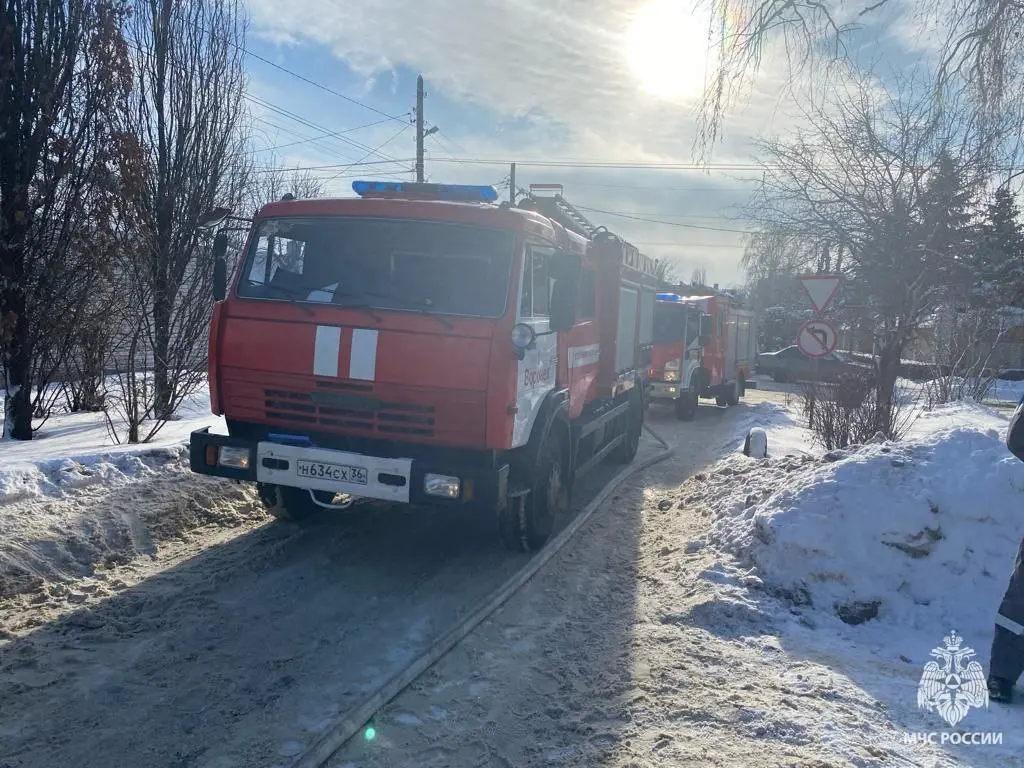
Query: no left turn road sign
{"x": 817, "y": 338}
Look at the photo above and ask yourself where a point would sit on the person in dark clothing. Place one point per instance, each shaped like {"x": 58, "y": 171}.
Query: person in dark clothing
{"x": 1007, "y": 660}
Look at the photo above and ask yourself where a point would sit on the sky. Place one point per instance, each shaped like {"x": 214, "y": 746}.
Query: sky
{"x": 597, "y": 95}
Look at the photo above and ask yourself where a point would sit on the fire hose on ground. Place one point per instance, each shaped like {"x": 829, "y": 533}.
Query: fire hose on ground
{"x": 353, "y": 721}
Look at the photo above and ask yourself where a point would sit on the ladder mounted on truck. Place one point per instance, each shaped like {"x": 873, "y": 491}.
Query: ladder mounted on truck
{"x": 556, "y": 207}
{"x": 552, "y": 203}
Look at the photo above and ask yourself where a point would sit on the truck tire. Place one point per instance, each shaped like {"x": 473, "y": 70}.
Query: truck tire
{"x": 686, "y": 406}
{"x": 286, "y": 503}
{"x": 733, "y": 397}
{"x": 527, "y": 521}
{"x": 626, "y": 451}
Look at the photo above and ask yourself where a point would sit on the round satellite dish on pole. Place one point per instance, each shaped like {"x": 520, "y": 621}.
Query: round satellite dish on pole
{"x": 817, "y": 338}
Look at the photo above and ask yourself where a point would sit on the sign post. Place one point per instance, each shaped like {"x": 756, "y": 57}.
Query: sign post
{"x": 821, "y": 290}
{"x": 818, "y": 337}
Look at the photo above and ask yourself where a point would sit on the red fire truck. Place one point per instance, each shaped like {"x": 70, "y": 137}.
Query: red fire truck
{"x": 703, "y": 347}
{"x": 422, "y": 344}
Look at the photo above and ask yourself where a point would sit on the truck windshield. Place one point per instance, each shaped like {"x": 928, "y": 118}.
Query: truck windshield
{"x": 396, "y": 264}
{"x": 668, "y": 322}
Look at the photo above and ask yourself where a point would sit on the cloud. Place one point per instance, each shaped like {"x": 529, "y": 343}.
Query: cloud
{"x": 556, "y": 78}
{"x": 563, "y": 59}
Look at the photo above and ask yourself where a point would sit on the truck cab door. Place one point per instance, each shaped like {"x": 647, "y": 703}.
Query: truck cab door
{"x": 537, "y": 370}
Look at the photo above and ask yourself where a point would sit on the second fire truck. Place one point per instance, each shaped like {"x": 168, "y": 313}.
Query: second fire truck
{"x": 704, "y": 346}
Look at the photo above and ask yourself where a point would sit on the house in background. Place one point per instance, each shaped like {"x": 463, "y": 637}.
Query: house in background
{"x": 983, "y": 338}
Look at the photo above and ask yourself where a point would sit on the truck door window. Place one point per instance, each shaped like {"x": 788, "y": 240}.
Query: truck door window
{"x": 536, "y": 283}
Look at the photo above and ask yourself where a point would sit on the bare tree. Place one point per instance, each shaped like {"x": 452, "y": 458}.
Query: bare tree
{"x": 882, "y": 176}
{"x": 699, "y": 276}
{"x": 62, "y": 71}
{"x": 271, "y": 182}
{"x": 966, "y": 347}
{"x": 980, "y": 56}
{"x": 665, "y": 272}
{"x": 186, "y": 120}
{"x": 772, "y": 261}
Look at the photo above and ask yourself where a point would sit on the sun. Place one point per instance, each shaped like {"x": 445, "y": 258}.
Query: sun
{"x": 668, "y": 49}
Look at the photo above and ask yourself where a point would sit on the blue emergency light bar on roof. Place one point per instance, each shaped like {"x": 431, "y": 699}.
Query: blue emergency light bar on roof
{"x": 669, "y": 297}
{"x": 462, "y": 193}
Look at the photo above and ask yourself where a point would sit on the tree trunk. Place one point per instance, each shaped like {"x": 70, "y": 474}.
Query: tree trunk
{"x": 17, "y": 367}
{"x": 889, "y": 357}
{"x": 162, "y": 380}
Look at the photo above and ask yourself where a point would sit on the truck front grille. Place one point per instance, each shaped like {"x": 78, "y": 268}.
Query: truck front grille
{"x": 352, "y": 408}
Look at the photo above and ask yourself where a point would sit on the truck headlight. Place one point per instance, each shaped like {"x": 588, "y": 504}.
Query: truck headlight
{"x": 444, "y": 486}
{"x": 233, "y": 457}
{"x": 523, "y": 336}
{"x": 672, "y": 370}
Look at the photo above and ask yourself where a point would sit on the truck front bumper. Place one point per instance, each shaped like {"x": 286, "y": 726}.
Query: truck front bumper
{"x": 666, "y": 390}
{"x": 402, "y": 481}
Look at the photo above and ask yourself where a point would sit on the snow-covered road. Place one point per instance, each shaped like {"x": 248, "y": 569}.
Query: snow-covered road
{"x": 182, "y": 628}
{"x": 236, "y": 642}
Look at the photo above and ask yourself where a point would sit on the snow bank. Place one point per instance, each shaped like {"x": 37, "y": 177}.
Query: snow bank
{"x": 72, "y": 501}
{"x": 1000, "y": 391}
{"x": 72, "y": 451}
{"x": 921, "y": 533}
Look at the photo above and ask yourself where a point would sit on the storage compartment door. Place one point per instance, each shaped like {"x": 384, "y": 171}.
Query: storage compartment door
{"x": 625, "y": 347}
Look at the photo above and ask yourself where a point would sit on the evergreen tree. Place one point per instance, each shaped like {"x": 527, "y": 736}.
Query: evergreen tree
{"x": 999, "y": 253}
{"x": 947, "y": 236}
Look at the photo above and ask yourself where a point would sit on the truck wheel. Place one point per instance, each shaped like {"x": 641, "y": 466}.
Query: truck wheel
{"x": 527, "y": 521}
{"x": 686, "y": 406}
{"x": 626, "y": 451}
{"x": 286, "y": 503}
{"x": 733, "y": 398}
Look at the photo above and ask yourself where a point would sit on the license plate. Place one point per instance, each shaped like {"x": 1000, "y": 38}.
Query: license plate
{"x": 341, "y": 473}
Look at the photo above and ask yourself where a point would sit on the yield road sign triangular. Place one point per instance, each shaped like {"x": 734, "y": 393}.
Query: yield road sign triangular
{"x": 821, "y": 289}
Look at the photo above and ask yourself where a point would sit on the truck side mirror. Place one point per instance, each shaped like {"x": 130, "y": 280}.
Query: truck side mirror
{"x": 705, "y": 325}
{"x": 565, "y": 266}
{"x": 563, "y": 304}
{"x": 220, "y": 267}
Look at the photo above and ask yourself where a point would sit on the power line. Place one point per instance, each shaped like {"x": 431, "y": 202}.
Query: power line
{"x": 556, "y": 164}
{"x": 653, "y": 166}
{"x": 660, "y": 188}
{"x": 333, "y": 134}
{"x": 685, "y": 216}
{"x": 350, "y": 165}
{"x": 442, "y": 145}
{"x": 456, "y": 144}
{"x": 322, "y": 87}
{"x": 308, "y": 123}
{"x": 400, "y": 131}
{"x": 668, "y": 223}
{"x": 290, "y": 115}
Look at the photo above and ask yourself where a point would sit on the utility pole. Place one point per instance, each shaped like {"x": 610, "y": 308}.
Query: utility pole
{"x": 421, "y": 134}
{"x": 419, "y": 129}
{"x": 512, "y": 185}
